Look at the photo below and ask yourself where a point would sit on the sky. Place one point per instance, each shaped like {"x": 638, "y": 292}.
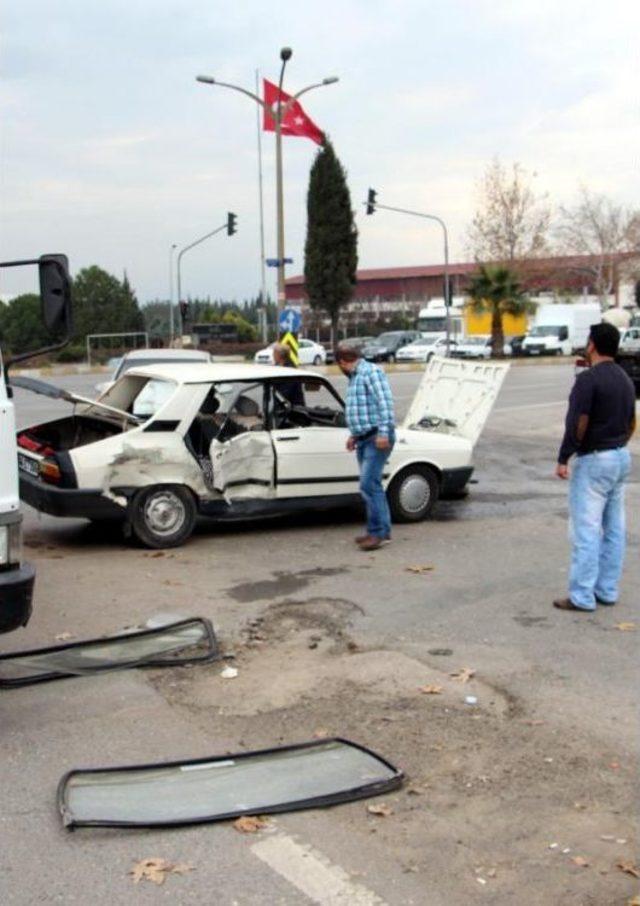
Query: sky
{"x": 111, "y": 152}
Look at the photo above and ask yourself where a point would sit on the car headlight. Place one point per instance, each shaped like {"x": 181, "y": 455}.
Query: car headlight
{"x": 10, "y": 544}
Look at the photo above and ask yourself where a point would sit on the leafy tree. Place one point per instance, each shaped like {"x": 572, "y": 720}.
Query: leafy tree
{"x": 511, "y": 222}
{"x": 103, "y": 304}
{"x": 497, "y": 289}
{"x": 246, "y": 331}
{"x": 331, "y": 248}
{"x": 21, "y": 325}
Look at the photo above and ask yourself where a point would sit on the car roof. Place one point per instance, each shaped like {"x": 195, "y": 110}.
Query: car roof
{"x": 197, "y": 355}
{"x": 208, "y": 373}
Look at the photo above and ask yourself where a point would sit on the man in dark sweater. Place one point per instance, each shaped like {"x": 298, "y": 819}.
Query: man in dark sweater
{"x": 600, "y": 421}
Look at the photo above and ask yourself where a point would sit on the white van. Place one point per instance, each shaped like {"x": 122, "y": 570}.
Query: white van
{"x": 561, "y": 329}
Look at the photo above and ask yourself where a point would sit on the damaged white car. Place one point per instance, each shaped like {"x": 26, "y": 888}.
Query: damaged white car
{"x": 169, "y": 443}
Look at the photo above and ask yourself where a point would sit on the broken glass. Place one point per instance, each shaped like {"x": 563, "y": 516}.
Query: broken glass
{"x": 313, "y": 774}
{"x": 183, "y": 642}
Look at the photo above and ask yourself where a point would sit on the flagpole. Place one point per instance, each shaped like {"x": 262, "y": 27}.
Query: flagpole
{"x": 263, "y": 272}
{"x": 285, "y": 54}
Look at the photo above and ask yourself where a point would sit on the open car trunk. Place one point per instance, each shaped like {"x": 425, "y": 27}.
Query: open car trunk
{"x": 66, "y": 433}
{"x": 456, "y": 397}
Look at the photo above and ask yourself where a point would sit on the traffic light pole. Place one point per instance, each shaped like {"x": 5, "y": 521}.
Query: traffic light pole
{"x": 229, "y": 224}
{"x": 372, "y": 205}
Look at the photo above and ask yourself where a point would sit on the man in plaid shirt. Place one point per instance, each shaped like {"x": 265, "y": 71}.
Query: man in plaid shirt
{"x": 371, "y": 423}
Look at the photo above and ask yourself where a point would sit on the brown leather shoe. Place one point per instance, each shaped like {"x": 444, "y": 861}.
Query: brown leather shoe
{"x": 361, "y": 538}
{"x": 371, "y": 544}
{"x": 567, "y": 604}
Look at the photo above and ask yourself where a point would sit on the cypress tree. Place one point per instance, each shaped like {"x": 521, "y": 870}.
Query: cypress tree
{"x": 331, "y": 247}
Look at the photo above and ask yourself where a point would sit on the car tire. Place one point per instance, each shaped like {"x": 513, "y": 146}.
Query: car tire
{"x": 391, "y": 358}
{"x": 317, "y": 360}
{"x": 413, "y": 493}
{"x": 162, "y": 516}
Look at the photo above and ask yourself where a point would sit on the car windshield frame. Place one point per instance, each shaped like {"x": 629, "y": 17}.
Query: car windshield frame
{"x": 190, "y": 771}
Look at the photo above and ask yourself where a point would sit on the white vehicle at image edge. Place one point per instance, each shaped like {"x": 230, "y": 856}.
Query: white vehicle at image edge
{"x": 560, "y": 328}
{"x": 309, "y": 353}
{"x": 137, "y": 357}
{"x": 423, "y": 349}
{"x": 226, "y": 443}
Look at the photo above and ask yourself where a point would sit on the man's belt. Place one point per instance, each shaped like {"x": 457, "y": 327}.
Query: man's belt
{"x": 366, "y": 435}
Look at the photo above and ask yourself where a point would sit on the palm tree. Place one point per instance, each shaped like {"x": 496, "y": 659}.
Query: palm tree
{"x": 497, "y": 289}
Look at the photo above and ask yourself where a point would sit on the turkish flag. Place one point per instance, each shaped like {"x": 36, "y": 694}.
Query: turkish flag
{"x": 294, "y": 122}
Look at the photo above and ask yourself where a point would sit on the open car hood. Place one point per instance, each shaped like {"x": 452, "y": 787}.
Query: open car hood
{"x": 59, "y": 393}
{"x": 458, "y": 392}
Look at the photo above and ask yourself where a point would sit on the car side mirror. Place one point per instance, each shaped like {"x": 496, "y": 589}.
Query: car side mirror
{"x": 55, "y": 293}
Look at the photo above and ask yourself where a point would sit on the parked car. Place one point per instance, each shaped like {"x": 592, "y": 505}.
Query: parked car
{"x": 478, "y": 347}
{"x": 516, "y": 344}
{"x": 424, "y": 348}
{"x": 225, "y": 442}
{"x": 356, "y": 342}
{"x": 385, "y": 347}
{"x": 122, "y": 364}
{"x": 309, "y": 353}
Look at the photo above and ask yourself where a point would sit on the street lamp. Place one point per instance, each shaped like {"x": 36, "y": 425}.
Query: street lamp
{"x": 279, "y": 113}
{"x": 171, "y": 328}
{"x": 372, "y": 205}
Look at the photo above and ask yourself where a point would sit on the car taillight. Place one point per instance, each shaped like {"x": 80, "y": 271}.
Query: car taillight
{"x": 50, "y": 471}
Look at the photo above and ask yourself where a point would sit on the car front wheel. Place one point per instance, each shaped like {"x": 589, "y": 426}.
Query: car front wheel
{"x": 391, "y": 358}
{"x": 413, "y": 493}
{"x": 317, "y": 360}
{"x": 162, "y": 516}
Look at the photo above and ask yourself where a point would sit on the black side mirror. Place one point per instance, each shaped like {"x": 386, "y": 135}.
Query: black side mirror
{"x": 55, "y": 293}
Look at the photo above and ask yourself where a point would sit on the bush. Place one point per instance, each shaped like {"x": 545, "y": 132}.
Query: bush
{"x": 75, "y": 352}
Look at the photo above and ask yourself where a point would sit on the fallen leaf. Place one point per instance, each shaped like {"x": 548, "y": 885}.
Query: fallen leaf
{"x": 250, "y": 824}
{"x": 321, "y": 733}
{"x": 625, "y": 627}
{"x": 430, "y": 690}
{"x": 156, "y": 870}
{"x": 65, "y": 636}
{"x": 420, "y": 569}
{"x": 382, "y": 810}
{"x": 463, "y": 675}
{"x": 628, "y": 868}
{"x": 157, "y": 554}
{"x": 417, "y": 790}
{"x": 635, "y": 901}
{"x": 581, "y": 861}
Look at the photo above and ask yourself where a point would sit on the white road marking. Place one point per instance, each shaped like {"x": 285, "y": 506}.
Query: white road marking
{"x": 312, "y": 873}
{"x": 530, "y": 406}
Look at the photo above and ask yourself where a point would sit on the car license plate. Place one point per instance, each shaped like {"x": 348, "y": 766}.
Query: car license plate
{"x": 30, "y": 466}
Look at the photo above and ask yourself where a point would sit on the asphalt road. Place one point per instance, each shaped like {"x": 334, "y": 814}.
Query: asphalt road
{"x": 329, "y": 640}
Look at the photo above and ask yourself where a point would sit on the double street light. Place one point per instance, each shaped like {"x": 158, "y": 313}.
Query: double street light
{"x": 279, "y": 112}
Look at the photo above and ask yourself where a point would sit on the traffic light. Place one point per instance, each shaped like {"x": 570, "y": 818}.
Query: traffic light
{"x": 371, "y": 201}
{"x": 231, "y": 223}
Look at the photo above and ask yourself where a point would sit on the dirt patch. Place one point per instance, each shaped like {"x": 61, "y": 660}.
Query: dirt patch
{"x": 283, "y": 583}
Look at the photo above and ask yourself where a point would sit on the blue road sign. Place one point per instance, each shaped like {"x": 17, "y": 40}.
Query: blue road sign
{"x": 275, "y": 262}
{"x": 289, "y": 320}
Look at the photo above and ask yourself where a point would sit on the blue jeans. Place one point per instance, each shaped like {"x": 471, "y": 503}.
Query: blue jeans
{"x": 597, "y": 528}
{"x": 371, "y": 462}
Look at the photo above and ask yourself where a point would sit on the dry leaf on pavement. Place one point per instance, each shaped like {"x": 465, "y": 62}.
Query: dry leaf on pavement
{"x": 581, "y": 861}
{"x": 628, "y": 868}
{"x": 321, "y": 733}
{"x": 420, "y": 569}
{"x": 156, "y": 870}
{"x": 625, "y": 627}
{"x": 382, "y": 810}
{"x": 463, "y": 675}
{"x": 635, "y": 901}
{"x": 64, "y": 636}
{"x": 430, "y": 690}
{"x": 250, "y": 824}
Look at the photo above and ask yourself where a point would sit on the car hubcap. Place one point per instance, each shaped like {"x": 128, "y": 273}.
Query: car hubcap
{"x": 164, "y": 513}
{"x": 414, "y": 493}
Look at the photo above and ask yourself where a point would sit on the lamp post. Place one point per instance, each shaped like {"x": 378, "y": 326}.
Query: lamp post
{"x": 372, "y": 203}
{"x": 279, "y": 113}
{"x": 171, "y": 327}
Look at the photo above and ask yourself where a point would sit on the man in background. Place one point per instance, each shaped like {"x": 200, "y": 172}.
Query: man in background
{"x": 600, "y": 421}
{"x": 371, "y": 423}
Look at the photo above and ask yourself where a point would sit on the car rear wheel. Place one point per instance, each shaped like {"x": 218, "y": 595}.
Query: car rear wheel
{"x": 413, "y": 493}
{"x": 163, "y": 515}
